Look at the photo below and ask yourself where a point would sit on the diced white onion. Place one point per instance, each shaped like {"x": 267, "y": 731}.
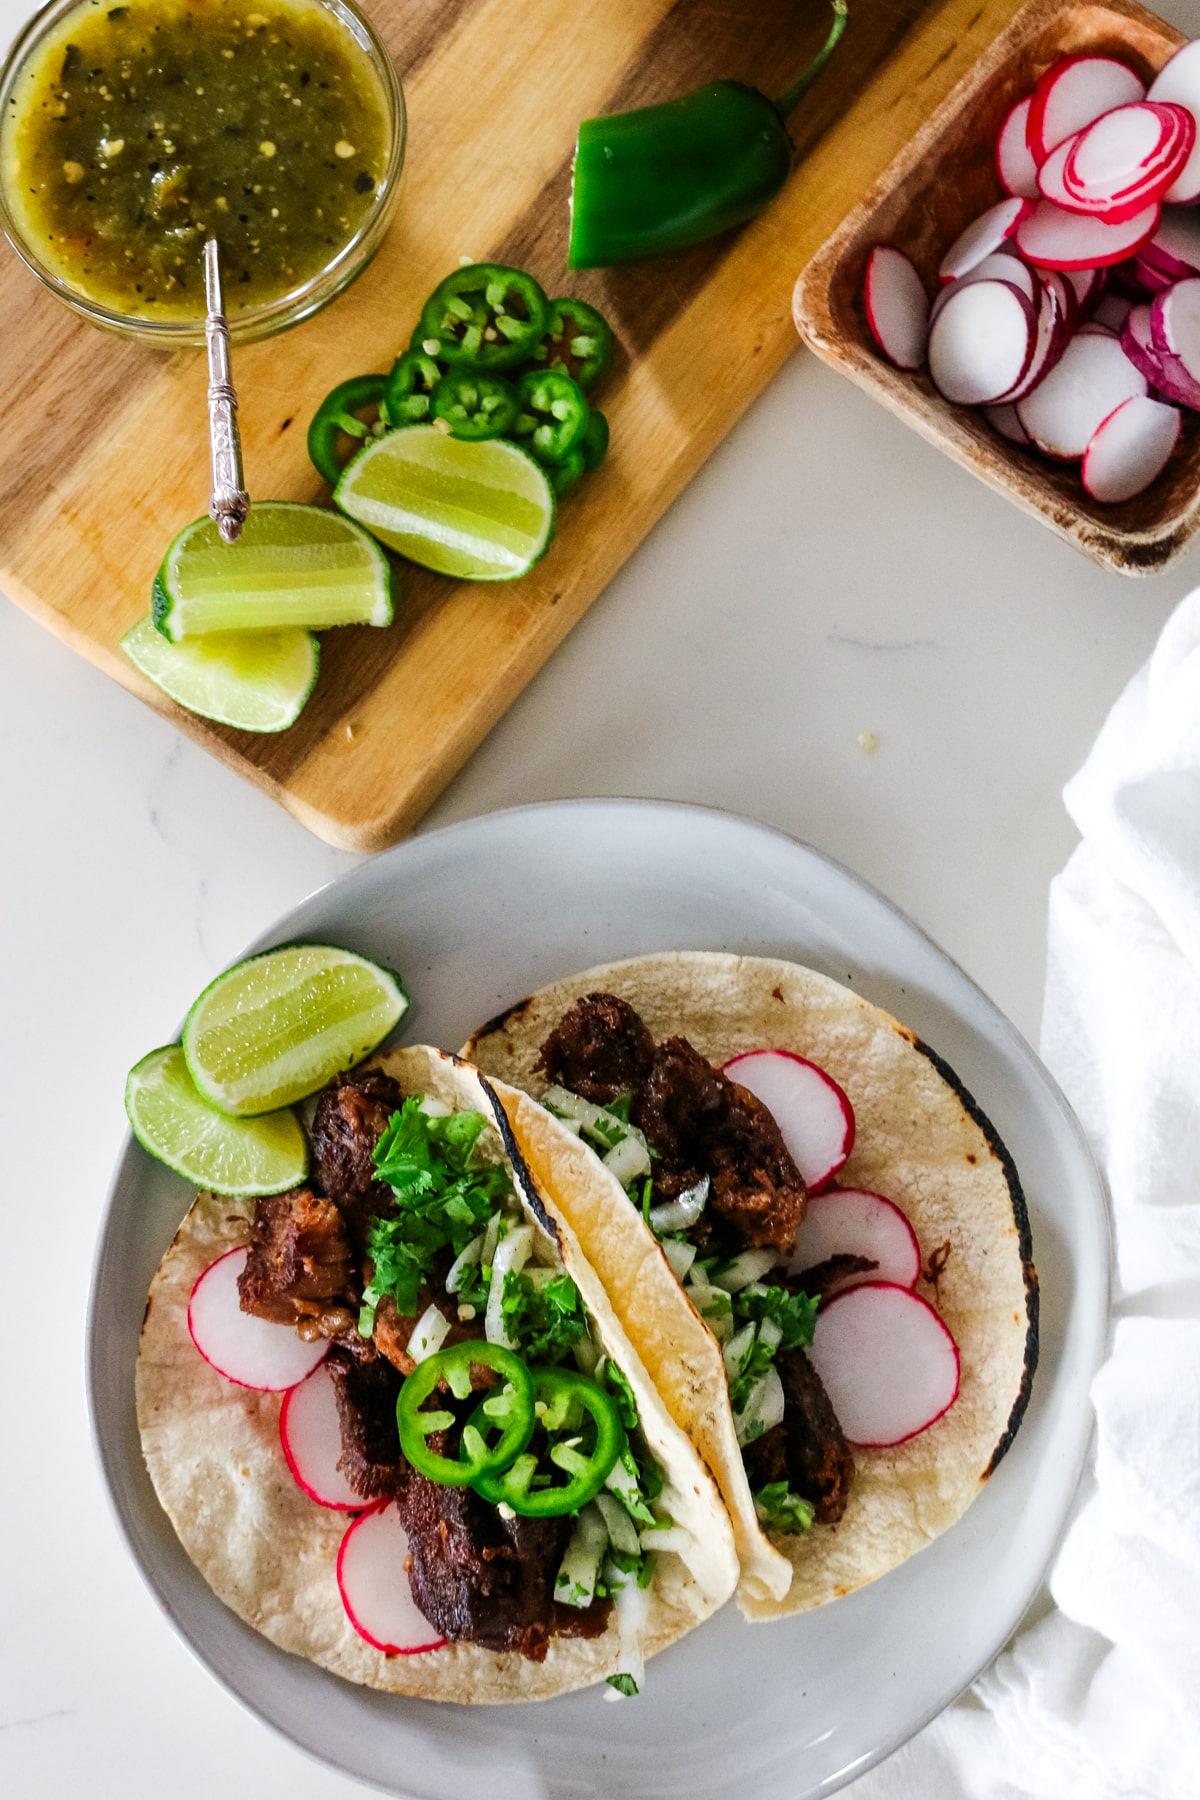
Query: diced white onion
{"x": 750, "y": 1266}
{"x": 681, "y": 1213}
{"x": 629, "y": 1159}
{"x": 491, "y": 1238}
{"x": 667, "y": 1537}
{"x": 763, "y": 1409}
{"x": 770, "y": 1333}
{"x": 543, "y": 1273}
{"x": 624, "y": 1485}
{"x": 575, "y": 1584}
{"x": 622, "y": 1532}
{"x": 512, "y": 1252}
{"x": 738, "y": 1349}
{"x": 596, "y": 1120}
{"x": 705, "y": 1298}
{"x": 586, "y": 1355}
{"x": 681, "y": 1256}
{"x": 434, "y": 1108}
{"x": 466, "y": 1259}
{"x": 633, "y": 1608}
{"x": 429, "y": 1334}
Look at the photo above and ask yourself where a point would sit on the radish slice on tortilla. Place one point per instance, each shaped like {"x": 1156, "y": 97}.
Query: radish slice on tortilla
{"x": 253, "y": 1352}
{"x": 1052, "y": 237}
{"x": 311, "y": 1435}
{"x": 1073, "y": 93}
{"x": 1014, "y": 162}
{"x": 375, "y": 1588}
{"x": 1179, "y": 83}
{"x": 1006, "y": 420}
{"x": 1090, "y": 380}
{"x": 981, "y": 343}
{"x": 983, "y": 236}
{"x": 852, "y": 1221}
{"x": 1130, "y": 450}
{"x": 897, "y": 307}
{"x": 1175, "y": 247}
{"x": 810, "y": 1109}
{"x": 887, "y": 1362}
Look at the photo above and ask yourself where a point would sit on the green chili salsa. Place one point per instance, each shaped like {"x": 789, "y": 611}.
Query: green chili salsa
{"x": 136, "y": 131}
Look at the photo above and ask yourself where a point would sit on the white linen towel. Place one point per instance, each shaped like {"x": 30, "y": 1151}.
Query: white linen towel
{"x": 1100, "y": 1700}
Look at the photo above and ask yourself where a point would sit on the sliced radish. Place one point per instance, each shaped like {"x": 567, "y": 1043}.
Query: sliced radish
{"x": 1175, "y": 247}
{"x": 1137, "y": 341}
{"x": 373, "y": 1581}
{"x": 1014, "y": 163}
{"x": 983, "y": 236}
{"x": 1130, "y": 450}
{"x": 1090, "y": 380}
{"x": 851, "y": 1221}
{"x": 897, "y": 307}
{"x": 1113, "y": 311}
{"x": 887, "y": 1362}
{"x": 1179, "y": 84}
{"x": 253, "y": 1352}
{"x": 1006, "y": 420}
{"x": 1087, "y": 285}
{"x": 1175, "y": 323}
{"x": 311, "y": 1435}
{"x": 1149, "y": 276}
{"x": 981, "y": 343}
{"x": 1053, "y": 336}
{"x": 1073, "y": 93}
{"x": 1128, "y": 151}
{"x": 1001, "y": 266}
{"x": 810, "y": 1109}
{"x": 1058, "y": 239}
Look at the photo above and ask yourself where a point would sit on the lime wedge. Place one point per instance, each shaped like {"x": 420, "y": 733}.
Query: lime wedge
{"x": 292, "y": 566}
{"x": 228, "y": 1156}
{"x": 479, "y": 511}
{"x": 256, "y": 680}
{"x": 275, "y": 1028}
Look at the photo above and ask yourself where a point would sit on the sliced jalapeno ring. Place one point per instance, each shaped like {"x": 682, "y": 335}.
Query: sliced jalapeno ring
{"x": 409, "y": 387}
{"x": 510, "y": 1408}
{"x": 573, "y": 1412}
{"x": 594, "y": 442}
{"x": 475, "y": 406}
{"x": 554, "y": 414}
{"x": 579, "y": 341}
{"x": 339, "y": 427}
{"x": 565, "y": 475}
{"x": 485, "y": 315}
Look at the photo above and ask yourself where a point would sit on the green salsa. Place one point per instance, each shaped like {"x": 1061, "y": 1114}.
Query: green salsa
{"x": 135, "y": 131}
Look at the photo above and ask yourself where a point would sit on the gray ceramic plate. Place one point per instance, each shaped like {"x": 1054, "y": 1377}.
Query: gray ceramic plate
{"x": 475, "y": 916}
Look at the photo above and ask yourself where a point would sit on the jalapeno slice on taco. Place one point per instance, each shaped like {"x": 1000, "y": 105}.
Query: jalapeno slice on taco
{"x": 851, "y": 1354}
{"x": 529, "y": 1519}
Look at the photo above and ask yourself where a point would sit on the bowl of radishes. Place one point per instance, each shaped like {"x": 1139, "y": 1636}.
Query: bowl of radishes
{"x": 1024, "y": 285}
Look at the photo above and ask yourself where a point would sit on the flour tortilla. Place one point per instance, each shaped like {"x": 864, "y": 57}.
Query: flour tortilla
{"x": 921, "y": 1140}
{"x": 269, "y": 1552}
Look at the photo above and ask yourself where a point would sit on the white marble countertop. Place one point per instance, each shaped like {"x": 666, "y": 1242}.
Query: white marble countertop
{"x": 827, "y": 574}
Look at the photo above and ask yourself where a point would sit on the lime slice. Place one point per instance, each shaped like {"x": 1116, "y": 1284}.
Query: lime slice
{"x": 228, "y": 1156}
{"x": 292, "y": 566}
{"x": 275, "y": 1028}
{"x": 480, "y": 511}
{"x": 256, "y": 680}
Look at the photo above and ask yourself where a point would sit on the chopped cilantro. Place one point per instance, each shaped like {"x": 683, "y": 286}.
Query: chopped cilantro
{"x": 543, "y": 1322}
{"x": 795, "y": 1314}
{"x": 779, "y": 1509}
{"x": 624, "y": 1684}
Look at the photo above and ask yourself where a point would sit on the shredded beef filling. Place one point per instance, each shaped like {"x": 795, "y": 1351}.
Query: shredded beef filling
{"x": 299, "y": 1267}
{"x": 351, "y": 1114}
{"x": 807, "y": 1450}
{"x": 600, "y": 1049}
{"x": 366, "y": 1394}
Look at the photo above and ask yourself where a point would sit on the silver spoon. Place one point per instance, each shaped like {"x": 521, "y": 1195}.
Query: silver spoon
{"x": 230, "y": 502}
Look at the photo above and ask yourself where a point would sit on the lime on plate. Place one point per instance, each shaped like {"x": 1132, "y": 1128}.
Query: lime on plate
{"x": 228, "y": 1156}
{"x": 277, "y": 1027}
{"x": 256, "y": 680}
{"x": 292, "y": 566}
{"x": 479, "y": 511}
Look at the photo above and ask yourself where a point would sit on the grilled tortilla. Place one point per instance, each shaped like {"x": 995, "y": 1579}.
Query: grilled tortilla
{"x": 921, "y": 1140}
{"x": 269, "y": 1552}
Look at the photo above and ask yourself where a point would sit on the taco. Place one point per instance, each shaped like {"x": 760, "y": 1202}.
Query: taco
{"x": 546, "y": 1526}
{"x": 829, "y": 1278}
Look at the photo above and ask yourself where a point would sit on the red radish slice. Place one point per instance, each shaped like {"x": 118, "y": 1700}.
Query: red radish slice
{"x": 853, "y": 1221}
{"x": 1175, "y": 323}
{"x": 1179, "y": 84}
{"x": 1090, "y": 380}
{"x": 981, "y": 343}
{"x": 1087, "y": 285}
{"x": 374, "y": 1585}
{"x": 1023, "y": 281}
{"x": 983, "y": 236}
{"x": 810, "y": 1109}
{"x": 1139, "y": 187}
{"x": 1137, "y": 341}
{"x": 1128, "y": 149}
{"x": 897, "y": 307}
{"x": 1175, "y": 247}
{"x": 1130, "y": 451}
{"x": 1113, "y": 311}
{"x": 887, "y": 1362}
{"x": 1051, "y": 340}
{"x": 1150, "y": 277}
{"x": 253, "y": 1352}
{"x": 1058, "y": 239}
{"x": 1073, "y": 93}
{"x": 311, "y": 1436}
{"x": 1006, "y": 421}
{"x": 1014, "y": 163}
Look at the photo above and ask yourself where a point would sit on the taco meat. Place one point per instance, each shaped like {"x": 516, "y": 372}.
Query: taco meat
{"x": 351, "y": 1114}
{"x": 299, "y": 1265}
{"x": 600, "y": 1049}
{"x": 366, "y": 1392}
{"x": 808, "y": 1449}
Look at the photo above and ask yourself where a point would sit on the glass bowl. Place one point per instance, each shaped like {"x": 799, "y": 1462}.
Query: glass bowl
{"x": 271, "y": 315}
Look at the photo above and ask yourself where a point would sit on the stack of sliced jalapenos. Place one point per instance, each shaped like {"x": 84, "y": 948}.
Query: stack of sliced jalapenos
{"x": 491, "y": 357}
{"x": 542, "y": 1441}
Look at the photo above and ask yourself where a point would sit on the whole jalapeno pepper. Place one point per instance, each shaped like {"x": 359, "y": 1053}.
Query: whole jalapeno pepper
{"x": 475, "y": 406}
{"x": 410, "y": 388}
{"x": 578, "y": 340}
{"x": 554, "y": 414}
{"x": 349, "y": 413}
{"x": 584, "y": 1438}
{"x": 485, "y": 315}
{"x": 509, "y": 1407}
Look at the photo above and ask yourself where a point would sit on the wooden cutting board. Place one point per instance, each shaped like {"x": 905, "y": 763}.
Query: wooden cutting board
{"x": 106, "y": 454}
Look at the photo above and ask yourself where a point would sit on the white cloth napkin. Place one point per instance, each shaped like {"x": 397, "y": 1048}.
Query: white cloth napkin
{"x": 1101, "y": 1698}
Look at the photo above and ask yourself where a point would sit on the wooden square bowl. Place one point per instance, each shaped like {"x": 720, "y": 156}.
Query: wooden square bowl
{"x": 943, "y": 178}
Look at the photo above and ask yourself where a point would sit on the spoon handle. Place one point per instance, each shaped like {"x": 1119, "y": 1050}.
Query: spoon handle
{"x": 230, "y": 502}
